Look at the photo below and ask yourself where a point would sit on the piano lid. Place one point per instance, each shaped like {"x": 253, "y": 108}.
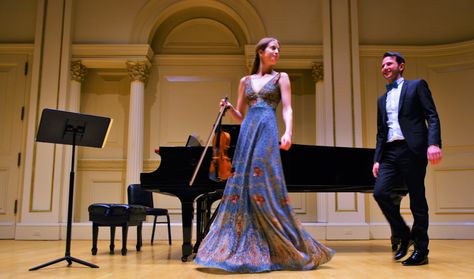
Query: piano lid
{"x": 306, "y": 168}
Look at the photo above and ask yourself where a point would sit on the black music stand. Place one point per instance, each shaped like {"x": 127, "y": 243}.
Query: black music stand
{"x": 71, "y": 128}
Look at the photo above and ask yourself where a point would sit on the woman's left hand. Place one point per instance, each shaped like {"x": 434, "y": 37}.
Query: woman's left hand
{"x": 285, "y": 142}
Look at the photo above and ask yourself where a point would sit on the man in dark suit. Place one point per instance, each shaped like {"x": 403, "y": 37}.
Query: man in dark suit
{"x": 408, "y": 136}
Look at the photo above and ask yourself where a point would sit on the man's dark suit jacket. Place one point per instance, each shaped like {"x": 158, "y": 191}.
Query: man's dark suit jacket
{"x": 416, "y": 110}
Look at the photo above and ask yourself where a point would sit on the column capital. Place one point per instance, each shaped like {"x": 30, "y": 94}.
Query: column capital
{"x": 138, "y": 70}
{"x": 318, "y": 72}
{"x": 78, "y": 71}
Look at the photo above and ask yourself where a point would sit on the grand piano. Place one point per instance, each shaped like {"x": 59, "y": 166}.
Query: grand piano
{"x": 307, "y": 168}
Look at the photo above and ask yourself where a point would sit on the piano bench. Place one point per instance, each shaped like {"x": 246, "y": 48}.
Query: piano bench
{"x": 113, "y": 215}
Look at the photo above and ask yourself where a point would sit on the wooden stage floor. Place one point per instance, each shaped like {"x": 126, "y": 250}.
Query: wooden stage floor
{"x": 366, "y": 259}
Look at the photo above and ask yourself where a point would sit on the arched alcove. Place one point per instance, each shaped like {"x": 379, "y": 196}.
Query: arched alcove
{"x": 158, "y": 17}
{"x": 199, "y": 31}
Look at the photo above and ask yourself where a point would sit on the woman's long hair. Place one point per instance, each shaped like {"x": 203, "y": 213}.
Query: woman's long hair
{"x": 261, "y": 45}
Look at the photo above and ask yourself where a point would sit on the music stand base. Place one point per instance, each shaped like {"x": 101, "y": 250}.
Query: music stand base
{"x": 69, "y": 260}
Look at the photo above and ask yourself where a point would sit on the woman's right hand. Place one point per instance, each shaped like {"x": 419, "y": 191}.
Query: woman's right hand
{"x": 226, "y": 104}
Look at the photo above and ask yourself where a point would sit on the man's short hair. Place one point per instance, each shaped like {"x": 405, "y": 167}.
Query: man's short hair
{"x": 400, "y": 59}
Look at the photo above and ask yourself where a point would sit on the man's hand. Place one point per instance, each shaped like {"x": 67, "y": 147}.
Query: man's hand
{"x": 434, "y": 154}
{"x": 375, "y": 169}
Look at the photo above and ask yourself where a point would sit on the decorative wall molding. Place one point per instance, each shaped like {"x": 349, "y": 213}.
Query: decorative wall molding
{"x": 113, "y": 165}
{"x": 292, "y": 56}
{"x": 111, "y": 56}
{"x": 4, "y": 175}
{"x": 419, "y": 51}
{"x": 346, "y": 202}
{"x": 113, "y": 74}
{"x": 156, "y": 12}
{"x": 452, "y": 67}
{"x": 198, "y": 60}
{"x": 453, "y": 198}
{"x": 116, "y": 56}
{"x": 16, "y": 48}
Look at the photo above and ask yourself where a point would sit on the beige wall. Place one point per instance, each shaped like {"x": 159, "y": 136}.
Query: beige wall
{"x": 198, "y": 50}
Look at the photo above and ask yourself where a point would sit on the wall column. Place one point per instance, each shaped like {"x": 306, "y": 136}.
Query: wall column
{"x": 73, "y": 103}
{"x": 42, "y": 192}
{"x": 346, "y": 211}
{"x": 78, "y": 74}
{"x": 320, "y": 108}
{"x": 138, "y": 73}
{"x": 318, "y": 78}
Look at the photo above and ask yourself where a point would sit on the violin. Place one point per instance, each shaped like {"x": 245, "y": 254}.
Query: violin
{"x": 220, "y": 167}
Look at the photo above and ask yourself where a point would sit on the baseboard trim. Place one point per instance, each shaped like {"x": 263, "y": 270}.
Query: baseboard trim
{"x": 343, "y": 231}
{"x": 437, "y": 230}
{"x": 321, "y": 231}
{"x": 7, "y": 230}
{"x": 37, "y": 231}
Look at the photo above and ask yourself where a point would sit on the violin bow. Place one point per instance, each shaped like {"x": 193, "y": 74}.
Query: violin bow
{"x": 213, "y": 131}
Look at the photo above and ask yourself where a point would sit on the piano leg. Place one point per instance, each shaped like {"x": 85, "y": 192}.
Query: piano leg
{"x": 204, "y": 211}
{"x": 187, "y": 210}
{"x": 201, "y": 203}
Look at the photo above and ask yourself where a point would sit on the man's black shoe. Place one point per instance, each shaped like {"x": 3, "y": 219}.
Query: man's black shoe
{"x": 395, "y": 241}
{"x": 417, "y": 258}
{"x": 403, "y": 250}
{"x": 394, "y": 247}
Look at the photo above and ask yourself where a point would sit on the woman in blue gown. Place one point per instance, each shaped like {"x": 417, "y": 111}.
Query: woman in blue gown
{"x": 256, "y": 229}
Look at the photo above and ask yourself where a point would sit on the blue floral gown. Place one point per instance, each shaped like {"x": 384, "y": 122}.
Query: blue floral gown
{"x": 256, "y": 229}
